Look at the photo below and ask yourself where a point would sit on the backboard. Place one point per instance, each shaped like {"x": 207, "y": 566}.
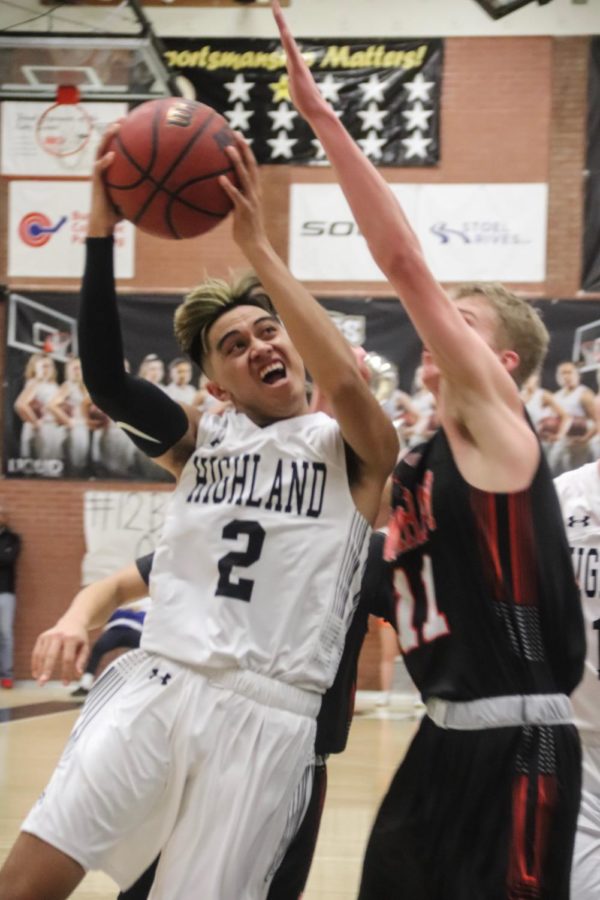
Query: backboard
{"x": 106, "y": 54}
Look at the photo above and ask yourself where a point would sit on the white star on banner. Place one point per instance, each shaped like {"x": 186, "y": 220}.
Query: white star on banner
{"x": 372, "y": 144}
{"x": 239, "y": 116}
{"x": 320, "y": 153}
{"x": 418, "y": 88}
{"x": 329, "y": 88}
{"x": 373, "y": 89}
{"x": 283, "y": 117}
{"x": 239, "y": 89}
{"x": 416, "y": 145}
{"x": 281, "y": 145}
{"x": 417, "y": 116}
{"x": 372, "y": 118}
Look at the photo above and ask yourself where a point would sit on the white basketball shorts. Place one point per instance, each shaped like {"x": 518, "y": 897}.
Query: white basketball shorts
{"x": 214, "y": 774}
{"x": 585, "y": 873}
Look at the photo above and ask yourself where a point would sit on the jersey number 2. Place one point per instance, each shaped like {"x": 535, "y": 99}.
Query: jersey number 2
{"x": 236, "y": 587}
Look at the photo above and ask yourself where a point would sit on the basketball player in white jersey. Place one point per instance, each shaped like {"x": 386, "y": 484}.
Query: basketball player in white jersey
{"x": 579, "y": 495}
{"x": 201, "y": 744}
{"x": 575, "y": 448}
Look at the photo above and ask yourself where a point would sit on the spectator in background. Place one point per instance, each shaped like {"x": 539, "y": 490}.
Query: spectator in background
{"x": 179, "y": 387}
{"x": 577, "y": 400}
{"x": 152, "y": 368}
{"x": 68, "y": 406}
{"x": 41, "y": 435}
{"x": 547, "y": 415}
{"x": 10, "y": 545}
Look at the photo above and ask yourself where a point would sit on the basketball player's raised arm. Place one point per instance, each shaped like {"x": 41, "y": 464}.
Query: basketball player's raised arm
{"x": 66, "y": 646}
{"x": 471, "y": 369}
{"x": 159, "y": 426}
{"x": 325, "y": 352}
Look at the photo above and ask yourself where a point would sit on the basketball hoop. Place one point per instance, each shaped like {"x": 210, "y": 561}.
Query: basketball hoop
{"x": 65, "y": 127}
{"x": 56, "y": 343}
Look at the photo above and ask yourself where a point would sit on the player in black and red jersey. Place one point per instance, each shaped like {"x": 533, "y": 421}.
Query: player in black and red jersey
{"x": 485, "y": 802}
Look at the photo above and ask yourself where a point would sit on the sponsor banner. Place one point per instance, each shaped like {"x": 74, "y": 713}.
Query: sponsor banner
{"x": 43, "y": 139}
{"x": 119, "y": 526}
{"x": 325, "y": 242}
{"x": 385, "y": 91}
{"x": 484, "y": 232}
{"x": 47, "y": 227}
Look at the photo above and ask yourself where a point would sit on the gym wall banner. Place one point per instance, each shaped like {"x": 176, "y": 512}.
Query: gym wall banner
{"x": 591, "y": 240}
{"x": 469, "y": 232}
{"x": 119, "y": 527}
{"x": 43, "y": 139}
{"x": 70, "y": 438}
{"x": 47, "y": 227}
{"x": 386, "y": 91}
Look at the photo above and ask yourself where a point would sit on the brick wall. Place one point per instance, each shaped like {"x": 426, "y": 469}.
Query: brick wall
{"x": 513, "y": 110}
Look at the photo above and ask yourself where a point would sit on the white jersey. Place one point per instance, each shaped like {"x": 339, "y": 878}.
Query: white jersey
{"x": 579, "y": 495}
{"x": 262, "y": 554}
{"x": 536, "y": 406}
{"x": 181, "y": 393}
{"x": 571, "y": 401}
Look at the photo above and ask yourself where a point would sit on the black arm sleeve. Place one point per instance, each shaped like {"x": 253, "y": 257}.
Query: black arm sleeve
{"x": 144, "y": 566}
{"x": 153, "y": 421}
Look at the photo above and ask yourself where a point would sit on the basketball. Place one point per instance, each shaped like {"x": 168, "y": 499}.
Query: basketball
{"x": 169, "y": 155}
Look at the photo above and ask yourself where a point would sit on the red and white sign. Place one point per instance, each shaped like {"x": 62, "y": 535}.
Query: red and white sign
{"x": 47, "y": 227}
{"x": 37, "y": 141}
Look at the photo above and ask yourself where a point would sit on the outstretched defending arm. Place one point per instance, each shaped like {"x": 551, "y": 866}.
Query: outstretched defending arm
{"x": 472, "y": 371}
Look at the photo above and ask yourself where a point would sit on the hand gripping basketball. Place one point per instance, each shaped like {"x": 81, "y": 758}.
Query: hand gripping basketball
{"x": 168, "y": 157}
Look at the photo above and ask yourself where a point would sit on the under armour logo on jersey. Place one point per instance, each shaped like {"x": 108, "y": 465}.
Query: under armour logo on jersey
{"x": 155, "y": 673}
{"x": 216, "y": 441}
{"x": 573, "y": 520}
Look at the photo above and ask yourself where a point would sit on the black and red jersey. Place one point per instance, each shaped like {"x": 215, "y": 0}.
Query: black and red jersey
{"x": 486, "y": 599}
{"x": 376, "y": 598}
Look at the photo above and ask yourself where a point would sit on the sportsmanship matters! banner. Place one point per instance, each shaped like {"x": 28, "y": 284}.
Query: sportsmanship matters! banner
{"x": 386, "y": 92}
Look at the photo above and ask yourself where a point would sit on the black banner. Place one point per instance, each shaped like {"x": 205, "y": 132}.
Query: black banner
{"x": 591, "y": 238}
{"x": 386, "y": 92}
{"x": 67, "y": 437}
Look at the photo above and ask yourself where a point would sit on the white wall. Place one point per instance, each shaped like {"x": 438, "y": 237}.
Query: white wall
{"x": 380, "y": 18}
{"x": 323, "y": 18}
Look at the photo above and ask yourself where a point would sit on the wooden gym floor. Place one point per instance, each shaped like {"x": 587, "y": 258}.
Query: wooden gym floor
{"x": 35, "y": 723}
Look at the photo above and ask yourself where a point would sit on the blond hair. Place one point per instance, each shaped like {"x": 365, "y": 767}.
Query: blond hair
{"x": 520, "y": 327}
{"x": 206, "y": 303}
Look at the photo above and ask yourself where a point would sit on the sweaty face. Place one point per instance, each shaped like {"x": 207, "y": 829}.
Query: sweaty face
{"x": 252, "y": 362}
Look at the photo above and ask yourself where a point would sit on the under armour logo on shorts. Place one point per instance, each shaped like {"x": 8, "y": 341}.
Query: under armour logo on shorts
{"x": 572, "y": 520}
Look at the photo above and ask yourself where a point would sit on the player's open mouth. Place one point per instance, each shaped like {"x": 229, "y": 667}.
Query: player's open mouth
{"x": 273, "y": 373}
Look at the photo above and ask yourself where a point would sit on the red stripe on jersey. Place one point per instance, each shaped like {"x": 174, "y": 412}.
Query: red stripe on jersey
{"x": 521, "y": 538}
{"x": 531, "y": 820}
{"x": 484, "y": 510}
